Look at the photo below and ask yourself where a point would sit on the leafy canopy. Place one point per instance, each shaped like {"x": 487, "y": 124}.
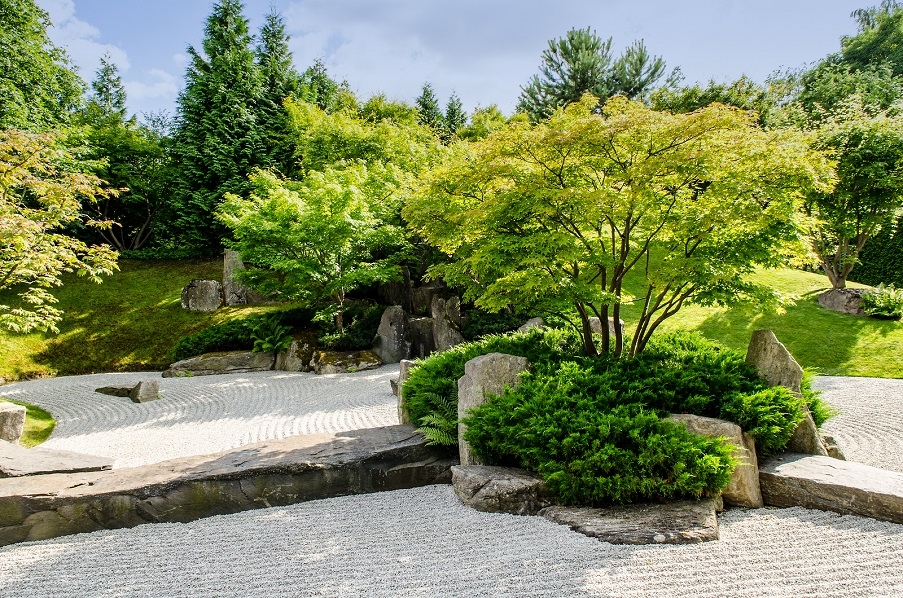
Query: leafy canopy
{"x": 551, "y": 217}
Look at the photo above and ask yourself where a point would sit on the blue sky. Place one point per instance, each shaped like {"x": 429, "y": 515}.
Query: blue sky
{"x": 484, "y": 50}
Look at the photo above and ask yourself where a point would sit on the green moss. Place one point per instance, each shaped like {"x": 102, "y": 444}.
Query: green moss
{"x": 39, "y": 424}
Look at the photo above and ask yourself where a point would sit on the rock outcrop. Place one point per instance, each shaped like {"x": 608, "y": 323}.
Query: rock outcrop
{"x": 743, "y": 489}
{"x": 227, "y": 362}
{"x": 682, "y": 522}
{"x": 500, "y": 489}
{"x": 484, "y": 374}
{"x": 446, "y": 322}
{"x": 202, "y": 295}
{"x": 393, "y": 337}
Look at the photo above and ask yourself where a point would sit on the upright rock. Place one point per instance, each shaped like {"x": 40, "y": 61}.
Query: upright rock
{"x": 774, "y": 362}
{"x": 446, "y": 322}
{"x": 392, "y": 338}
{"x": 484, "y": 374}
{"x": 404, "y": 372}
{"x": 299, "y": 353}
{"x": 743, "y": 489}
{"x": 806, "y": 439}
{"x": 145, "y": 391}
{"x": 421, "y": 334}
{"x": 202, "y": 295}
{"x": 847, "y": 301}
{"x": 12, "y": 421}
{"x": 233, "y": 292}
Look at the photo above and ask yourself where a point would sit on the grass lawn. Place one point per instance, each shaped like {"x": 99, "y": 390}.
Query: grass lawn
{"x": 127, "y": 323}
{"x": 821, "y": 340}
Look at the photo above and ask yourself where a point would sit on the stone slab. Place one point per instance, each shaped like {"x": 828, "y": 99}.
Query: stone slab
{"x": 680, "y": 522}
{"x": 267, "y": 474}
{"x": 223, "y": 362}
{"x": 17, "y": 461}
{"x": 340, "y": 362}
{"x": 500, "y": 489}
{"x": 816, "y": 482}
{"x": 119, "y": 390}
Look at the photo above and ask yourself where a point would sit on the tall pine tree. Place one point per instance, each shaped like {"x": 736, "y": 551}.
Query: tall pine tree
{"x": 280, "y": 80}
{"x": 219, "y": 139}
{"x": 427, "y": 105}
{"x": 455, "y": 116}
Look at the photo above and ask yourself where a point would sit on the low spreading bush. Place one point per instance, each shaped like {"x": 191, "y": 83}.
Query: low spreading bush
{"x": 593, "y": 427}
{"x": 883, "y": 302}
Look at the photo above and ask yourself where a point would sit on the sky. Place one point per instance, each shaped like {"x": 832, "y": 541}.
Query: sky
{"x": 482, "y": 50}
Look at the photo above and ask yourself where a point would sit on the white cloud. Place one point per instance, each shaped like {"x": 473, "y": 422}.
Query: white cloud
{"x": 80, "y": 39}
{"x": 161, "y": 85}
{"x": 180, "y": 59}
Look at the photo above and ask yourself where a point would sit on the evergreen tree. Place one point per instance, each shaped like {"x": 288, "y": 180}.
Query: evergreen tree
{"x": 431, "y": 115}
{"x": 219, "y": 140}
{"x": 318, "y": 88}
{"x": 109, "y": 94}
{"x": 280, "y": 80}
{"x": 455, "y": 116}
{"x": 38, "y": 89}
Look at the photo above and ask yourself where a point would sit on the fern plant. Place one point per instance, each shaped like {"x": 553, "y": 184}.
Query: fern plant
{"x": 440, "y": 426}
{"x": 884, "y": 302}
{"x": 270, "y": 335}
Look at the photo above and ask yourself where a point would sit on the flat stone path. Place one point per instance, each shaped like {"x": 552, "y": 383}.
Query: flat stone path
{"x": 205, "y": 414}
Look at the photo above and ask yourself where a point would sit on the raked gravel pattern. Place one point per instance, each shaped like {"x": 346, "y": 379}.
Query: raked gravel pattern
{"x": 424, "y": 542}
{"x": 206, "y": 414}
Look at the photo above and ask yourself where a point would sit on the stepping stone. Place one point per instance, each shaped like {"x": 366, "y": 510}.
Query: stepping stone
{"x": 814, "y": 482}
{"x": 679, "y": 522}
{"x": 17, "y": 461}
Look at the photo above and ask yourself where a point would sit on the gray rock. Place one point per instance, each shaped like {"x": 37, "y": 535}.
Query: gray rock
{"x": 596, "y": 325}
{"x": 122, "y": 390}
{"x": 828, "y": 484}
{"x": 446, "y": 322}
{"x": 202, "y": 295}
{"x": 17, "y": 461}
{"x": 806, "y": 439}
{"x": 848, "y": 301}
{"x": 404, "y": 372}
{"x": 298, "y": 355}
{"x": 743, "y": 489}
{"x": 392, "y": 337}
{"x": 531, "y": 324}
{"x": 145, "y": 391}
{"x": 269, "y": 474}
{"x": 12, "y": 421}
{"x": 484, "y": 374}
{"x": 500, "y": 489}
{"x": 422, "y": 297}
{"x": 774, "y": 362}
{"x": 340, "y": 362}
{"x": 423, "y": 342}
{"x": 227, "y": 362}
{"x": 831, "y": 446}
{"x": 233, "y": 292}
{"x": 683, "y": 522}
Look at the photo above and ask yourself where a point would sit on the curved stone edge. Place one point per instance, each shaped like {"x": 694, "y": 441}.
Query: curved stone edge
{"x": 269, "y": 474}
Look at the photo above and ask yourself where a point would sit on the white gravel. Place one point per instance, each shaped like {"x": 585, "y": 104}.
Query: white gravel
{"x": 206, "y": 414}
{"x": 423, "y": 542}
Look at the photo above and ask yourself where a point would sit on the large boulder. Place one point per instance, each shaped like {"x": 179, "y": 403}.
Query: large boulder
{"x": 848, "y": 301}
{"x": 596, "y": 325}
{"x": 484, "y": 374}
{"x": 743, "y": 489}
{"x": 341, "y": 362}
{"x": 420, "y": 331}
{"x": 774, "y": 362}
{"x": 392, "y": 338}
{"x": 500, "y": 489}
{"x": 12, "y": 421}
{"x": 145, "y": 391}
{"x": 532, "y": 323}
{"x": 299, "y": 353}
{"x": 233, "y": 292}
{"x": 202, "y": 295}
{"x": 404, "y": 372}
{"x": 682, "y": 522}
{"x": 446, "y": 322}
{"x": 226, "y": 362}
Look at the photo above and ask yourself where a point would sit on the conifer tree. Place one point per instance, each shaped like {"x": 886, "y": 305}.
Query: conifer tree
{"x": 427, "y": 105}
{"x": 455, "y": 116}
{"x": 280, "y": 80}
{"x": 218, "y": 141}
{"x": 109, "y": 94}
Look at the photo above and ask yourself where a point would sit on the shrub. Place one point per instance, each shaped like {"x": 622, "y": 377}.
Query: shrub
{"x": 770, "y": 416}
{"x": 362, "y": 322}
{"x": 480, "y": 323}
{"x": 884, "y": 302}
{"x": 269, "y": 334}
